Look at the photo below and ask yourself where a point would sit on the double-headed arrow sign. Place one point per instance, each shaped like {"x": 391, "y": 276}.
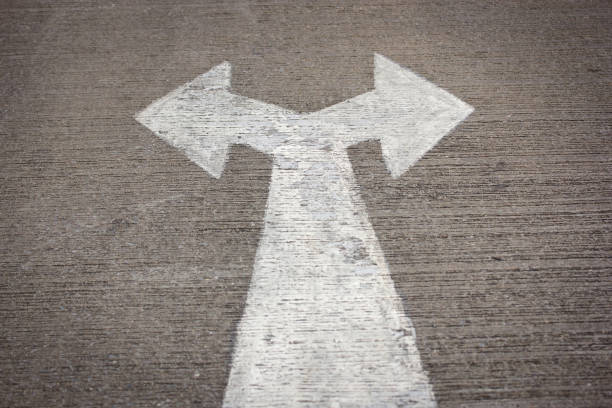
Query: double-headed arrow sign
{"x": 323, "y": 325}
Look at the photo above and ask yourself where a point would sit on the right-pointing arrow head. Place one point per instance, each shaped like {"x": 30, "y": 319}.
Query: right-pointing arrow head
{"x": 407, "y": 113}
{"x": 425, "y": 114}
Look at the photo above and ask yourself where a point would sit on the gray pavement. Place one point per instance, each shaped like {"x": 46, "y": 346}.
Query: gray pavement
{"x": 124, "y": 267}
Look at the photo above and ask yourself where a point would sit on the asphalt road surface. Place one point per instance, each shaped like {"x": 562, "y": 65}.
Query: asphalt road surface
{"x": 124, "y": 267}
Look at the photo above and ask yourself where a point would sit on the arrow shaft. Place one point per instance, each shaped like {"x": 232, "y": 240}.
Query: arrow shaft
{"x": 323, "y": 324}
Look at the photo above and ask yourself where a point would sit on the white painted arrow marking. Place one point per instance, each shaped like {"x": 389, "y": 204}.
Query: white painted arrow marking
{"x": 323, "y": 325}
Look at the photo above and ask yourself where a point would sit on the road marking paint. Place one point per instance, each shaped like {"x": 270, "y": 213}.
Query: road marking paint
{"x": 323, "y": 324}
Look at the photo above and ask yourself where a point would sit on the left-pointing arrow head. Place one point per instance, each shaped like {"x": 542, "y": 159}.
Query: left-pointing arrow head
{"x": 178, "y": 118}
{"x": 203, "y": 118}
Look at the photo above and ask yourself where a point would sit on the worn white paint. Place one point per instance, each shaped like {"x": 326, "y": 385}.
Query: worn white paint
{"x": 323, "y": 325}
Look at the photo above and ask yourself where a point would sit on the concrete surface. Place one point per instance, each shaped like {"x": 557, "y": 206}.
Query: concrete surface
{"x": 124, "y": 267}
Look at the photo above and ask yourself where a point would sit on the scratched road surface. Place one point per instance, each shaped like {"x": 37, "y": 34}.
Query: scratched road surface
{"x": 124, "y": 267}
